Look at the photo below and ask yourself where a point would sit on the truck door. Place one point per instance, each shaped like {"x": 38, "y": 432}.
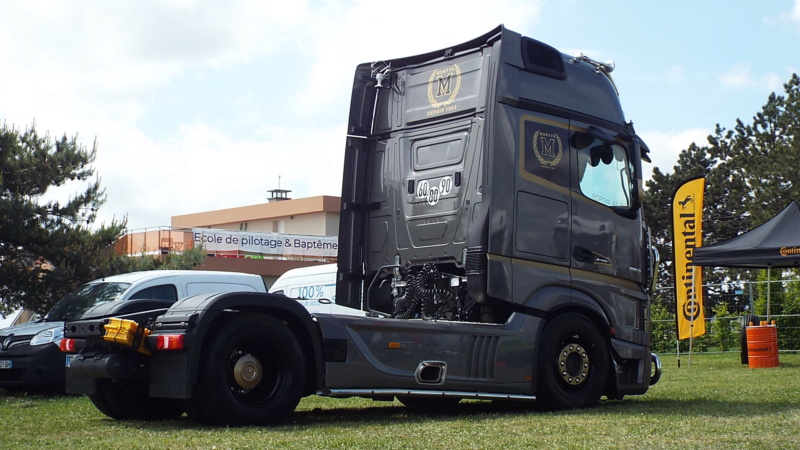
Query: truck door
{"x": 543, "y": 197}
{"x": 606, "y": 229}
{"x": 542, "y": 238}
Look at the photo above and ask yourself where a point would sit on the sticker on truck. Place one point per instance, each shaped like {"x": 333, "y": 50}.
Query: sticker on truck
{"x": 432, "y": 190}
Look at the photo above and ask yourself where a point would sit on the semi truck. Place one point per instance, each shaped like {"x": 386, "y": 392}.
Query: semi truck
{"x": 491, "y": 230}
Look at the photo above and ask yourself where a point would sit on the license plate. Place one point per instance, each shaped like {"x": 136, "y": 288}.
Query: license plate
{"x": 70, "y": 358}
{"x": 5, "y": 364}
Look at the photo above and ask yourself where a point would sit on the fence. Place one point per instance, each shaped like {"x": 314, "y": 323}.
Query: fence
{"x": 726, "y": 306}
{"x": 723, "y": 334}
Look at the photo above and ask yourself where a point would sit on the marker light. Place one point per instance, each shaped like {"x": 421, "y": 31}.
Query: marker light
{"x": 170, "y": 342}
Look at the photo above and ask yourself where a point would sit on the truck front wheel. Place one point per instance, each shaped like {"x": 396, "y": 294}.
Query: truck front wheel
{"x": 253, "y": 372}
{"x": 574, "y": 364}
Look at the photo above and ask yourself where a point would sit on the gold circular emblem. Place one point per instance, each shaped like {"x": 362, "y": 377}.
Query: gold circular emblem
{"x": 441, "y": 84}
{"x": 547, "y": 148}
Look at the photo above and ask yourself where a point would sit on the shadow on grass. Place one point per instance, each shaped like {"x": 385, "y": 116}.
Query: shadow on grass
{"x": 391, "y": 413}
{"x": 354, "y": 416}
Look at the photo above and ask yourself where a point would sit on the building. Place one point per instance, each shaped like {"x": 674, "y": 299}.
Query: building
{"x": 266, "y": 239}
{"x": 315, "y": 216}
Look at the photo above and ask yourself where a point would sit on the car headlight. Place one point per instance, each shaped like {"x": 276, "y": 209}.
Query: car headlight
{"x": 50, "y": 335}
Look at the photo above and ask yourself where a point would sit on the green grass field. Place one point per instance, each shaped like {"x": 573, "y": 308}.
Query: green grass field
{"x": 716, "y": 402}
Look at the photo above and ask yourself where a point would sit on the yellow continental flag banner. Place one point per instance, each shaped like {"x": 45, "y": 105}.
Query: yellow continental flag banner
{"x": 687, "y": 232}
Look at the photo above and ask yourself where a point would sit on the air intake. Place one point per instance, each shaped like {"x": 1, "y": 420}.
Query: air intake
{"x": 542, "y": 59}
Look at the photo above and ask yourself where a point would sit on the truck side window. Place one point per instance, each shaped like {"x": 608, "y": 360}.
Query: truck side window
{"x": 604, "y": 172}
{"x": 161, "y": 292}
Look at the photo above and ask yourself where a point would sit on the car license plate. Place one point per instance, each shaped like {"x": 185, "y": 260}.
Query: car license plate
{"x": 70, "y": 358}
{"x": 5, "y": 364}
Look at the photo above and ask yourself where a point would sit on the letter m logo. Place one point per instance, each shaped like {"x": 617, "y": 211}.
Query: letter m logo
{"x": 444, "y": 85}
{"x": 548, "y": 146}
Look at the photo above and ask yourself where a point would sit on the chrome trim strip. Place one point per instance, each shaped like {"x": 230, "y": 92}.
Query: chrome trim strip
{"x": 343, "y": 393}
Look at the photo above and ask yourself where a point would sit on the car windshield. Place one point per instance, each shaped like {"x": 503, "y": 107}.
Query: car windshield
{"x": 73, "y": 305}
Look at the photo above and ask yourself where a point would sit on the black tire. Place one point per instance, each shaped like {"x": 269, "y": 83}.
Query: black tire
{"x": 192, "y": 412}
{"x": 252, "y": 372}
{"x": 429, "y": 404}
{"x": 130, "y": 401}
{"x": 573, "y": 367}
{"x": 745, "y": 322}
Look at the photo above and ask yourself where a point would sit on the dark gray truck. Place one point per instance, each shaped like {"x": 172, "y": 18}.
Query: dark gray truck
{"x": 491, "y": 228}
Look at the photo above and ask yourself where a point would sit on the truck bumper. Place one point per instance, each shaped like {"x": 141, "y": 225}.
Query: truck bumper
{"x": 85, "y": 368}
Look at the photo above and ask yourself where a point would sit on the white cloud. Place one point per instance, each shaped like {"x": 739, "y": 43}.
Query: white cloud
{"x": 203, "y": 168}
{"x": 741, "y": 76}
{"x": 364, "y": 32}
{"x": 738, "y": 76}
{"x": 127, "y": 51}
{"x": 666, "y": 146}
{"x": 793, "y": 16}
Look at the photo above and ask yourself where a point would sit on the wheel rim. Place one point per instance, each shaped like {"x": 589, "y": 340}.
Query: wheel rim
{"x": 573, "y": 364}
{"x": 247, "y": 372}
{"x": 254, "y": 374}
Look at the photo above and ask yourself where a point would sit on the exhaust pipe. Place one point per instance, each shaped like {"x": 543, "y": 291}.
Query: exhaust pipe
{"x": 657, "y": 373}
{"x": 431, "y": 372}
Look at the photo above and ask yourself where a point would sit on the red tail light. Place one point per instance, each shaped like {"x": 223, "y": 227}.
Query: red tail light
{"x": 67, "y": 345}
{"x": 170, "y": 342}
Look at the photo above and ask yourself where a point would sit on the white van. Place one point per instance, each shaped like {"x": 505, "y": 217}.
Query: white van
{"x": 29, "y": 353}
{"x": 313, "y": 287}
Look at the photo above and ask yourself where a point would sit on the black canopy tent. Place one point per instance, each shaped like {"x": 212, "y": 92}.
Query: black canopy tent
{"x": 775, "y": 243}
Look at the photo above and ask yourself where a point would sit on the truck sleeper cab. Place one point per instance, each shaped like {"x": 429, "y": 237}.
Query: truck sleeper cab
{"x": 491, "y": 230}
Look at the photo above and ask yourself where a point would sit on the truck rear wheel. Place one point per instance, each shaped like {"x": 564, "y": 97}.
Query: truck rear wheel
{"x": 128, "y": 400}
{"x": 574, "y": 364}
{"x": 253, "y": 372}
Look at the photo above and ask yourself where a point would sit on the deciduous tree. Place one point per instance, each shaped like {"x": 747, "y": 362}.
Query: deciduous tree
{"x": 752, "y": 172}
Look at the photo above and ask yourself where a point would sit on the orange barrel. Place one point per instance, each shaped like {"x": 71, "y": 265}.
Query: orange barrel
{"x": 762, "y": 346}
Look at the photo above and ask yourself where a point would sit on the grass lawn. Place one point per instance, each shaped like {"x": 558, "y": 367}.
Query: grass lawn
{"x": 716, "y": 402}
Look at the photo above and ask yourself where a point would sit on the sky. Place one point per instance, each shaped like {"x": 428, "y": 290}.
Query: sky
{"x": 198, "y": 105}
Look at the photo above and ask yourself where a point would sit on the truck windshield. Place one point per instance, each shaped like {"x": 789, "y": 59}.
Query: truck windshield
{"x": 73, "y": 305}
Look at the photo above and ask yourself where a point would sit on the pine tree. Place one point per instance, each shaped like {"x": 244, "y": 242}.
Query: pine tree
{"x": 47, "y": 248}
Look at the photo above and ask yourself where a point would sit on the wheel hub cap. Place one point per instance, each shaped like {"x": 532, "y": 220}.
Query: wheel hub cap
{"x": 247, "y": 372}
{"x": 573, "y": 364}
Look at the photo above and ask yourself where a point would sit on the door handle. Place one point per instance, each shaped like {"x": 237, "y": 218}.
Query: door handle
{"x": 583, "y": 255}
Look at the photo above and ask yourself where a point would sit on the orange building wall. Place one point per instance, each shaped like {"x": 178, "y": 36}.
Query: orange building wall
{"x": 318, "y": 216}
